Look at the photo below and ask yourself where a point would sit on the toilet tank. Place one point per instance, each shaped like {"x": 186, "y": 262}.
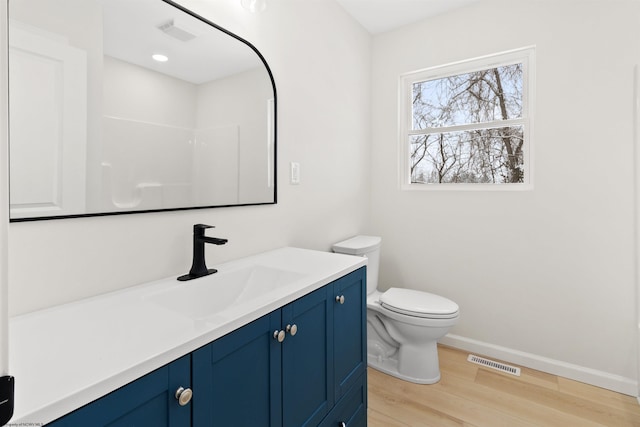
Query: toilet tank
{"x": 366, "y": 246}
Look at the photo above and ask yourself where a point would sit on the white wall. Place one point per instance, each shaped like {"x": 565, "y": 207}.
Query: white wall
{"x": 171, "y": 143}
{"x": 542, "y": 277}
{"x": 239, "y": 101}
{"x": 140, "y": 94}
{"x": 322, "y": 74}
{"x": 147, "y": 138}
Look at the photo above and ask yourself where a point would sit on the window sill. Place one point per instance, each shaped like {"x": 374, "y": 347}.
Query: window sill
{"x": 467, "y": 187}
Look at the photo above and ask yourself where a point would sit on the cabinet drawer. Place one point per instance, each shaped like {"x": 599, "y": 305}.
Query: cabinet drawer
{"x": 352, "y": 408}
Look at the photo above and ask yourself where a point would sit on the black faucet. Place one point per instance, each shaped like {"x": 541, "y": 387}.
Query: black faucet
{"x": 199, "y": 267}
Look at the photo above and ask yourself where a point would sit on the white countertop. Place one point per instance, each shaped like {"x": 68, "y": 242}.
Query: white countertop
{"x": 67, "y": 356}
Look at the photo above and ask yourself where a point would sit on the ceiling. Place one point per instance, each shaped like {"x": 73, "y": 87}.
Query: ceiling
{"x": 126, "y": 20}
{"x": 378, "y": 16}
{"x": 132, "y": 33}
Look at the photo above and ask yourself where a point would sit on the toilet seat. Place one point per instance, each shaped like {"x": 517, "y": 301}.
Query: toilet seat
{"x": 418, "y": 304}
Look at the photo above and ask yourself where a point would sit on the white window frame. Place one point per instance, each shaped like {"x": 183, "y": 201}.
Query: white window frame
{"x": 526, "y": 56}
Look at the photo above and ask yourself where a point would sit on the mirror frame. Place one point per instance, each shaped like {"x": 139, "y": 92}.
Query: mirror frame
{"x": 275, "y": 143}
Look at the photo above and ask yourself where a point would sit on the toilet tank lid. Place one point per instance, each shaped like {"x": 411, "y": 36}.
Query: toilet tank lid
{"x": 358, "y": 245}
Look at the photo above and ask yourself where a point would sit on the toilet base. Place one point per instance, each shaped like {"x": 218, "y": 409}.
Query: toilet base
{"x": 389, "y": 365}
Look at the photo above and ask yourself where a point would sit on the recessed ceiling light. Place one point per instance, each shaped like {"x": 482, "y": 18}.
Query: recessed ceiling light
{"x": 254, "y": 6}
{"x": 160, "y": 58}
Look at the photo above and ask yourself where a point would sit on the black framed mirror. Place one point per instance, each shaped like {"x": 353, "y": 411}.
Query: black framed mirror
{"x": 130, "y": 106}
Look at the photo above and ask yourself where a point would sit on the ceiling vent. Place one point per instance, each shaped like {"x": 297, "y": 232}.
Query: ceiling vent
{"x": 170, "y": 29}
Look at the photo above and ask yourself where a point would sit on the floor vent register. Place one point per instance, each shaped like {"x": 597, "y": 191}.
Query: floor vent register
{"x": 494, "y": 365}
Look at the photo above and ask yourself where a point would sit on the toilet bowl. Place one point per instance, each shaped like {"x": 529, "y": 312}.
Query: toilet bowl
{"x": 403, "y": 325}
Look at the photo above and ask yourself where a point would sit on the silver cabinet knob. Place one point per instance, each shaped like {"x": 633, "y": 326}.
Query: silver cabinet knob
{"x": 342, "y": 424}
{"x": 340, "y": 299}
{"x": 183, "y": 395}
{"x": 279, "y": 335}
{"x": 292, "y": 329}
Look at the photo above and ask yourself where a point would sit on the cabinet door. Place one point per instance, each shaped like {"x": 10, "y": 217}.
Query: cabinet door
{"x": 349, "y": 324}
{"x": 307, "y": 384}
{"x": 237, "y": 378}
{"x": 148, "y": 401}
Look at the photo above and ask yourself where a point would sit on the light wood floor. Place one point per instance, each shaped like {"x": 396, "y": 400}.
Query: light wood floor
{"x": 472, "y": 395}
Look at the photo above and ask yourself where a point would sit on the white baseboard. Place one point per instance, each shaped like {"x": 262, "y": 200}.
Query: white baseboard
{"x": 567, "y": 370}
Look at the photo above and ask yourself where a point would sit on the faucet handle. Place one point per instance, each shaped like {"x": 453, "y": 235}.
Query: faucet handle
{"x": 198, "y": 229}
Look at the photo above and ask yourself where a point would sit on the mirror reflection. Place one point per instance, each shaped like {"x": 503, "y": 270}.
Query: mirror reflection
{"x": 121, "y": 106}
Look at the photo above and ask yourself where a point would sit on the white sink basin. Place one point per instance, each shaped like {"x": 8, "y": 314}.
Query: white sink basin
{"x": 203, "y": 297}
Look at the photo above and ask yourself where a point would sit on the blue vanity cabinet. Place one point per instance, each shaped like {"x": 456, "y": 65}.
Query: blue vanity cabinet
{"x": 351, "y": 409}
{"x": 300, "y": 365}
{"x": 275, "y": 371}
{"x": 349, "y": 352}
{"x": 307, "y": 359}
{"x": 350, "y": 327}
{"x": 237, "y": 378}
{"x": 148, "y": 401}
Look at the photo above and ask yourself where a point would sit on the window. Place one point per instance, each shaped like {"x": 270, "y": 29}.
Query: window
{"x": 468, "y": 124}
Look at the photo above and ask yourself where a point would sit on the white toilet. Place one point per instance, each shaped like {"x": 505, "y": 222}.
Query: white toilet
{"x": 403, "y": 325}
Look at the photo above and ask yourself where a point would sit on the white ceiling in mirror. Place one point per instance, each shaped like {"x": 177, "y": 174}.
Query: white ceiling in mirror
{"x": 378, "y": 16}
{"x": 136, "y": 30}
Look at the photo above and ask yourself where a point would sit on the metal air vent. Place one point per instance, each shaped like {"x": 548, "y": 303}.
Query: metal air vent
{"x": 494, "y": 365}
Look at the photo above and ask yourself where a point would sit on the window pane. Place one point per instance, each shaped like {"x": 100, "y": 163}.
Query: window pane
{"x": 476, "y": 156}
{"x": 477, "y": 97}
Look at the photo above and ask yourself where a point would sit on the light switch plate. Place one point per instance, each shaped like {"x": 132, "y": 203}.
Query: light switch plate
{"x": 295, "y": 173}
